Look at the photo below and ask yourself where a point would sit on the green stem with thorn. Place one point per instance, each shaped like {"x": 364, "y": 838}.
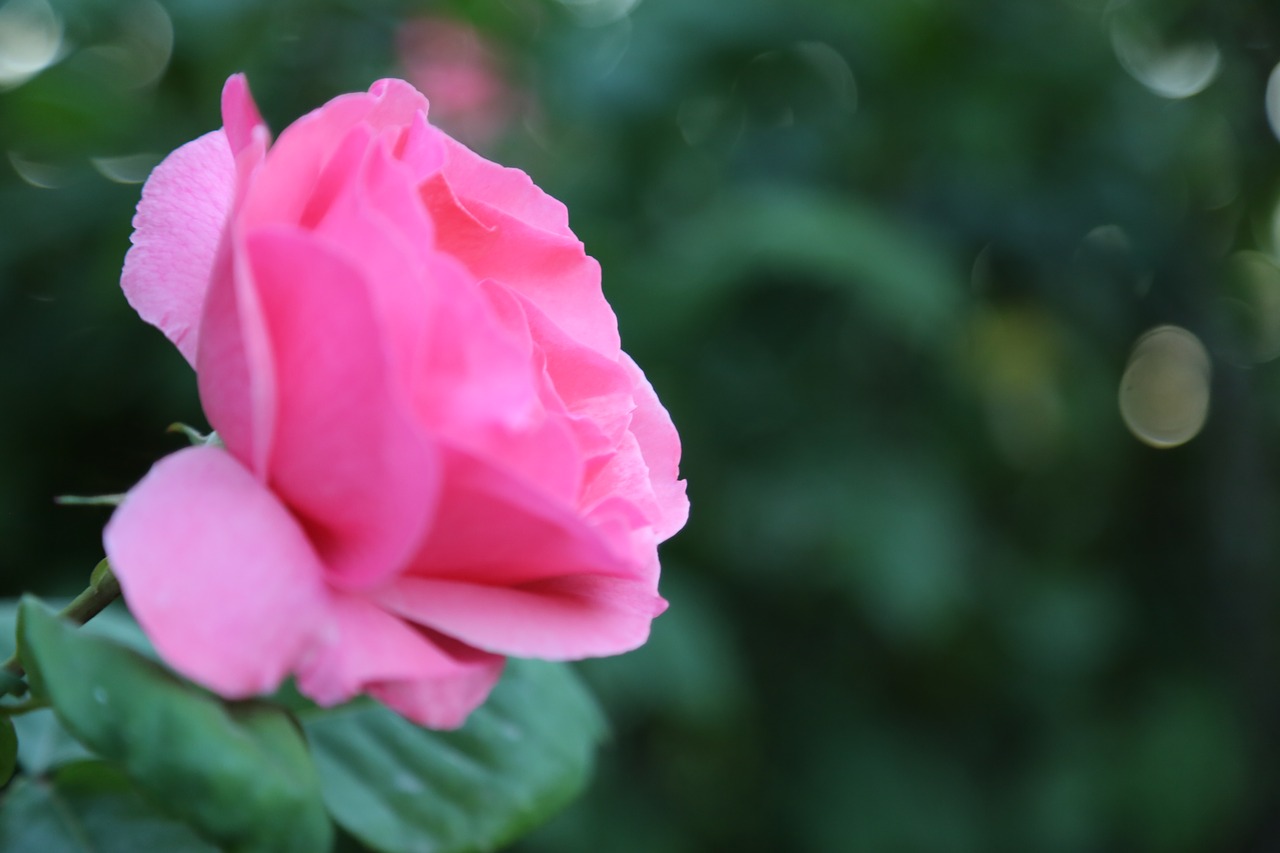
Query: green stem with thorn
{"x": 103, "y": 589}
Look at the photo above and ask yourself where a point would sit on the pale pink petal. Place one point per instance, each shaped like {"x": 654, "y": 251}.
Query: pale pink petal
{"x": 443, "y": 702}
{"x": 361, "y": 644}
{"x": 625, "y": 474}
{"x": 475, "y": 179}
{"x": 395, "y": 103}
{"x": 240, "y": 116}
{"x": 565, "y": 618}
{"x": 421, "y": 147}
{"x": 660, "y": 444}
{"x": 371, "y": 216}
{"x": 497, "y": 530}
{"x": 475, "y": 378}
{"x": 592, "y": 389}
{"x": 346, "y": 456}
{"x": 624, "y": 524}
{"x": 550, "y": 268}
{"x": 462, "y": 385}
{"x": 234, "y": 364}
{"x": 477, "y": 387}
{"x": 433, "y": 680}
{"x": 246, "y": 132}
{"x": 282, "y": 189}
{"x": 339, "y": 173}
{"x": 179, "y": 223}
{"x": 217, "y": 572}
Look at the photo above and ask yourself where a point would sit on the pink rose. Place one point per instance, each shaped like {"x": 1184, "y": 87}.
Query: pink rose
{"x": 436, "y": 454}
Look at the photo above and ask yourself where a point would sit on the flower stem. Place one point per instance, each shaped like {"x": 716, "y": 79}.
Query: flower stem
{"x": 102, "y": 590}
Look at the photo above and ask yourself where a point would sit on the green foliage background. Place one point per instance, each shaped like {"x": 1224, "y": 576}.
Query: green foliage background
{"x": 884, "y": 262}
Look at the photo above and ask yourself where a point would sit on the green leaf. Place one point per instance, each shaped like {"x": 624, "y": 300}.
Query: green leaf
{"x": 88, "y": 807}
{"x": 239, "y": 774}
{"x": 115, "y": 623}
{"x": 401, "y": 789}
{"x": 44, "y": 745}
{"x": 8, "y": 749}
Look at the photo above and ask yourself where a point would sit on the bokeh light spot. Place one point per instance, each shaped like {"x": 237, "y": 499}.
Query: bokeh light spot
{"x": 42, "y": 175}
{"x": 30, "y": 40}
{"x": 1272, "y": 100}
{"x": 1253, "y": 294}
{"x": 597, "y": 13}
{"x": 1170, "y": 71}
{"x": 129, "y": 169}
{"x": 834, "y": 71}
{"x": 140, "y": 56}
{"x": 1164, "y": 393}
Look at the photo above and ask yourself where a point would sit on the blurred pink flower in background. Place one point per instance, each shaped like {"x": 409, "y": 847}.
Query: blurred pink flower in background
{"x": 463, "y": 76}
{"x": 436, "y": 452}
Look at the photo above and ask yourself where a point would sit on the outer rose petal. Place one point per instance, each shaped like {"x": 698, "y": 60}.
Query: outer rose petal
{"x": 625, "y": 475}
{"x": 493, "y": 529}
{"x": 179, "y": 223}
{"x": 432, "y": 680}
{"x": 511, "y": 191}
{"x": 240, "y": 117}
{"x": 559, "y": 619}
{"x": 299, "y": 156}
{"x": 549, "y": 267}
{"x": 346, "y": 457}
{"x": 442, "y": 703}
{"x": 217, "y": 572}
{"x": 234, "y": 365}
{"x": 368, "y": 212}
{"x": 660, "y": 445}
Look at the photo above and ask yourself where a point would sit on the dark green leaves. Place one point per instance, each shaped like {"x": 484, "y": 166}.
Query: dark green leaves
{"x": 131, "y": 757}
{"x": 519, "y": 758}
{"x": 44, "y": 745}
{"x": 88, "y": 808}
{"x": 240, "y": 774}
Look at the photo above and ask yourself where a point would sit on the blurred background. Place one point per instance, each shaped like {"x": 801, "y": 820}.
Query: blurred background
{"x": 967, "y": 313}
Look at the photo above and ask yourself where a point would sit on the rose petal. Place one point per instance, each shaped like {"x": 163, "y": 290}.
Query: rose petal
{"x": 430, "y": 679}
{"x": 660, "y": 444}
{"x": 421, "y": 147}
{"x": 177, "y": 229}
{"x": 496, "y": 530}
{"x": 625, "y": 474}
{"x": 240, "y": 117}
{"x": 592, "y": 389}
{"x": 550, "y": 268}
{"x": 234, "y": 364}
{"x": 346, "y": 456}
{"x": 511, "y": 191}
{"x": 371, "y": 216}
{"x": 441, "y": 703}
{"x": 564, "y": 618}
{"x": 298, "y": 158}
{"x": 478, "y": 389}
{"x": 217, "y": 572}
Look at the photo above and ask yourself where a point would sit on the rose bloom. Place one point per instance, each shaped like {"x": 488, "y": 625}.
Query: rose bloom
{"x": 436, "y": 453}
